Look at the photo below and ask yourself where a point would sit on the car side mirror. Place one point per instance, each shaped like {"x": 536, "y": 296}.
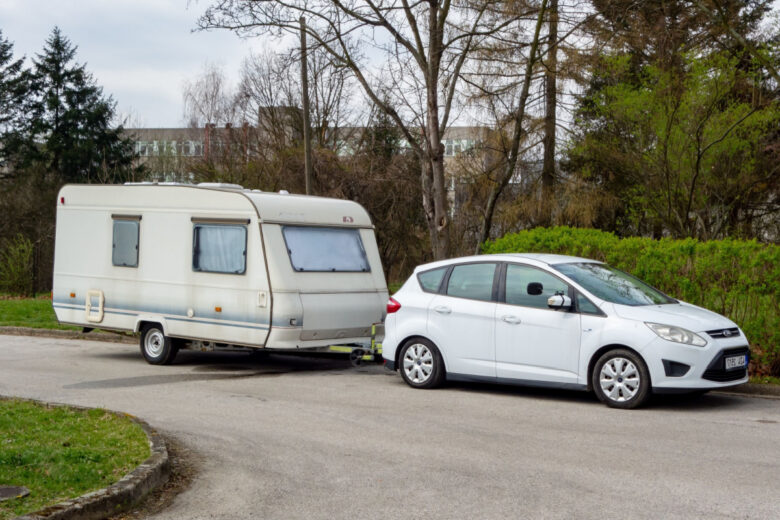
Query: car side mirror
{"x": 535, "y": 288}
{"x": 559, "y": 301}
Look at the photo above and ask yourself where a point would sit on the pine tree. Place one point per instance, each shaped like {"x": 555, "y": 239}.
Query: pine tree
{"x": 73, "y": 119}
{"x": 14, "y": 85}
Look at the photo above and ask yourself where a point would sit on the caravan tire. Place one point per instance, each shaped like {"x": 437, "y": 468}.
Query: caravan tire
{"x": 156, "y": 347}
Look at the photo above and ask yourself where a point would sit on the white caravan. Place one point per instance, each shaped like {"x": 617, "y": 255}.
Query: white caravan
{"x": 217, "y": 266}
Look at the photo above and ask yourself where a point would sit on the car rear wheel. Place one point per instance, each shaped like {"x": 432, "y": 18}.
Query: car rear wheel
{"x": 621, "y": 380}
{"x": 421, "y": 364}
{"x": 156, "y": 347}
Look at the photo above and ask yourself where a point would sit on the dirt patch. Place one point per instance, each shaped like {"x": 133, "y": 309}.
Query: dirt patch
{"x": 184, "y": 466}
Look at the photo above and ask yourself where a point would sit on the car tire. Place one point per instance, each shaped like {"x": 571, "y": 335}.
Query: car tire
{"x": 620, "y": 379}
{"x": 156, "y": 347}
{"x": 421, "y": 364}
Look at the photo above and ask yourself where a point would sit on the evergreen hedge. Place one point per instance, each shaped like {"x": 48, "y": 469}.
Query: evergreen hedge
{"x": 737, "y": 278}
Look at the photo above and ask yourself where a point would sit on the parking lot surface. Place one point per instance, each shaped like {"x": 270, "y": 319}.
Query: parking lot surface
{"x": 313, "y": 437}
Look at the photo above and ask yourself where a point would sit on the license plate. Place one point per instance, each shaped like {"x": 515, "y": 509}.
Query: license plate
{"x": 736, "y": 362}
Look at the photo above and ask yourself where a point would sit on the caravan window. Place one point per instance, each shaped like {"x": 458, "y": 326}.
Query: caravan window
{"x": 219, "y": 248}
{"x": 125, "y": 243}
{"x": 325, "y": 249}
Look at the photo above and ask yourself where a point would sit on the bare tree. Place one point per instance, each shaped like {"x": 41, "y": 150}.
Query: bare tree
{"x": 208, "y": 99}
{"x": 433, "y": 39}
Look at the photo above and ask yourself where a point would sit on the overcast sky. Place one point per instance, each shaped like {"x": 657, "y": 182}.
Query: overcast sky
{"x": 139, "y": 51}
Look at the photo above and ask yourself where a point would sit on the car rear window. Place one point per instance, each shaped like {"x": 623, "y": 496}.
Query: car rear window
{"x": 430, "y": 281}
{"x": 325, "y": 249}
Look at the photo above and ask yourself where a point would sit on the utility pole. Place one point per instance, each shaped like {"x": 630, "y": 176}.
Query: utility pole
{"x": 306, "y": 122}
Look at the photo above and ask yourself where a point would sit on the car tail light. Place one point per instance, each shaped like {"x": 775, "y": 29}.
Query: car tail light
{"x": 392, "y": 306}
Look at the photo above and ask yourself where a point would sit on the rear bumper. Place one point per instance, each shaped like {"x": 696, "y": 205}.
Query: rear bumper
{"x": 298, "y": 338}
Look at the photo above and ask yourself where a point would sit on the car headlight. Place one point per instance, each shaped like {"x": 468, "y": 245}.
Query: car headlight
{"x": 677, "y": 334}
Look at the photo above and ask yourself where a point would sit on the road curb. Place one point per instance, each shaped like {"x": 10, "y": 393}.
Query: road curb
{"x": 68, "y": 334}
{"x": 117, "y": 497}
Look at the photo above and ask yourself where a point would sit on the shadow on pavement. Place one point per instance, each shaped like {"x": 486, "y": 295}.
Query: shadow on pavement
{"x": 211, "y": 366}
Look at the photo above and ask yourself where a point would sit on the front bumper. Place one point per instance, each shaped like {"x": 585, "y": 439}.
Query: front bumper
{"x": 676, "y": 367}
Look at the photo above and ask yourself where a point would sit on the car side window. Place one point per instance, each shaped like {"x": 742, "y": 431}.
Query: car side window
{"x": 530, "y": 287}
{"x": 430, "y": 281}
{"x": 473, "y": 281}
{"x": 585, "y": 306}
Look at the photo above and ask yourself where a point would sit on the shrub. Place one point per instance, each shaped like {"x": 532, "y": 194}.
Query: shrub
{"x": 16, "y": 266}
{"x": 737, "y": 278}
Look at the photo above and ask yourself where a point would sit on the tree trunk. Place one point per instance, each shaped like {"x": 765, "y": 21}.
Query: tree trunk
{"x": 551, "y": 102}
{"x": 439, "y": 226}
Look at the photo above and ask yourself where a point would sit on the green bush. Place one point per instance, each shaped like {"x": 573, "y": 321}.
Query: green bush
{"x": 16, "y": 267}
{"x": 737, "y": 278}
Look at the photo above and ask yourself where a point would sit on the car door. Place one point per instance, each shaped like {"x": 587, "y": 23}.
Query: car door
{"x": 534, "y": 342}
{"x": 461, "y": 319}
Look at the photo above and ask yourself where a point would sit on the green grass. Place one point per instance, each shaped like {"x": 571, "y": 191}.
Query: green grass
{"x": 765, "y": 380}
{"x": 29, "y": 312}
{"x": 60, "y": 453}
{"x": 393, "y": 287}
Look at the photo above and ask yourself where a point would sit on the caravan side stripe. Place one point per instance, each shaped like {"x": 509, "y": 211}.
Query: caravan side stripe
{"x": 175, "y": 317}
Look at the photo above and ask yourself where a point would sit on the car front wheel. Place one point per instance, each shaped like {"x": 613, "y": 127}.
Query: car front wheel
{"x": 421, "y": 364}
{"x": 621, "y": 380}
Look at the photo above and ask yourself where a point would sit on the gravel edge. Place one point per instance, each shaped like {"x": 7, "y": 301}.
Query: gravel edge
{"x": 128, "y": 491}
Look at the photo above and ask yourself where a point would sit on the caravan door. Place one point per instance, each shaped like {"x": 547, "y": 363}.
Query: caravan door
{"x": 231, "y": 291}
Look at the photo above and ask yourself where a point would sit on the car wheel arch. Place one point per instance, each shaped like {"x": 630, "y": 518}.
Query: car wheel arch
{"x": 606, "y": 348}
{"x": 408, "y": 339}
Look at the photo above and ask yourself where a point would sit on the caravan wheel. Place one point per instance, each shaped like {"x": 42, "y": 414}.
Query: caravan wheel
{"x": 157, "y": 348}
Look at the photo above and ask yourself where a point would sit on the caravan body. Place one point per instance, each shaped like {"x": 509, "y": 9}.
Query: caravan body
{"x": 218, "y": 264}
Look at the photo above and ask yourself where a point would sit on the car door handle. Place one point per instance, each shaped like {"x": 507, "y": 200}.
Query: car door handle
{"x": 441, "y": 309}
{"x": 514, "y": 320}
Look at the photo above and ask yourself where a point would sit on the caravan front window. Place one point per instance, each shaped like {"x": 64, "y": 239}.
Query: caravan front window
{"x": 219, "y": 248}
{"x": 325, "y": 249}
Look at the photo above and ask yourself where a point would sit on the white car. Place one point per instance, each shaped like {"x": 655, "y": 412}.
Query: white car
{"x": 557, "y": 321}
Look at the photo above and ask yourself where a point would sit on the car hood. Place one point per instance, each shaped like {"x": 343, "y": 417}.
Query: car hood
{"x": 680, "y": 314}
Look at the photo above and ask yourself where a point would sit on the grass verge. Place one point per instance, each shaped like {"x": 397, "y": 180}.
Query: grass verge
{"x": 765, "y": 380}
{"x": 29, "y": 312}
{"x": 60, "y": 452}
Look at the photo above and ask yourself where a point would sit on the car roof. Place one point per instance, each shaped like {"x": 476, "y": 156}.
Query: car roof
{"x": 532, "y": 258}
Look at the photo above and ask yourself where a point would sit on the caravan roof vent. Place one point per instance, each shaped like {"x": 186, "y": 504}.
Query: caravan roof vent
{"x": 220, "y": 185}
{"x": 284, "y": 192}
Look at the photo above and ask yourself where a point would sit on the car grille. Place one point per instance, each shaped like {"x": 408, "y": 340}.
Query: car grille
{"x": 723, "y": 333}
{"x": 716, "y": 371}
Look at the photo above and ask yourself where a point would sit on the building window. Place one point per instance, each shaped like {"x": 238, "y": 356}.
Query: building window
{"x": 125, "y": 242}
{"x": 219, "y": 248}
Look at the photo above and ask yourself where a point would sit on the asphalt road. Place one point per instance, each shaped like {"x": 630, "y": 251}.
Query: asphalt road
{"x": 298, "y": 437}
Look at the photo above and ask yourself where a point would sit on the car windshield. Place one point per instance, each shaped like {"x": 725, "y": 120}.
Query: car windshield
{"x": 613, "y": 285}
